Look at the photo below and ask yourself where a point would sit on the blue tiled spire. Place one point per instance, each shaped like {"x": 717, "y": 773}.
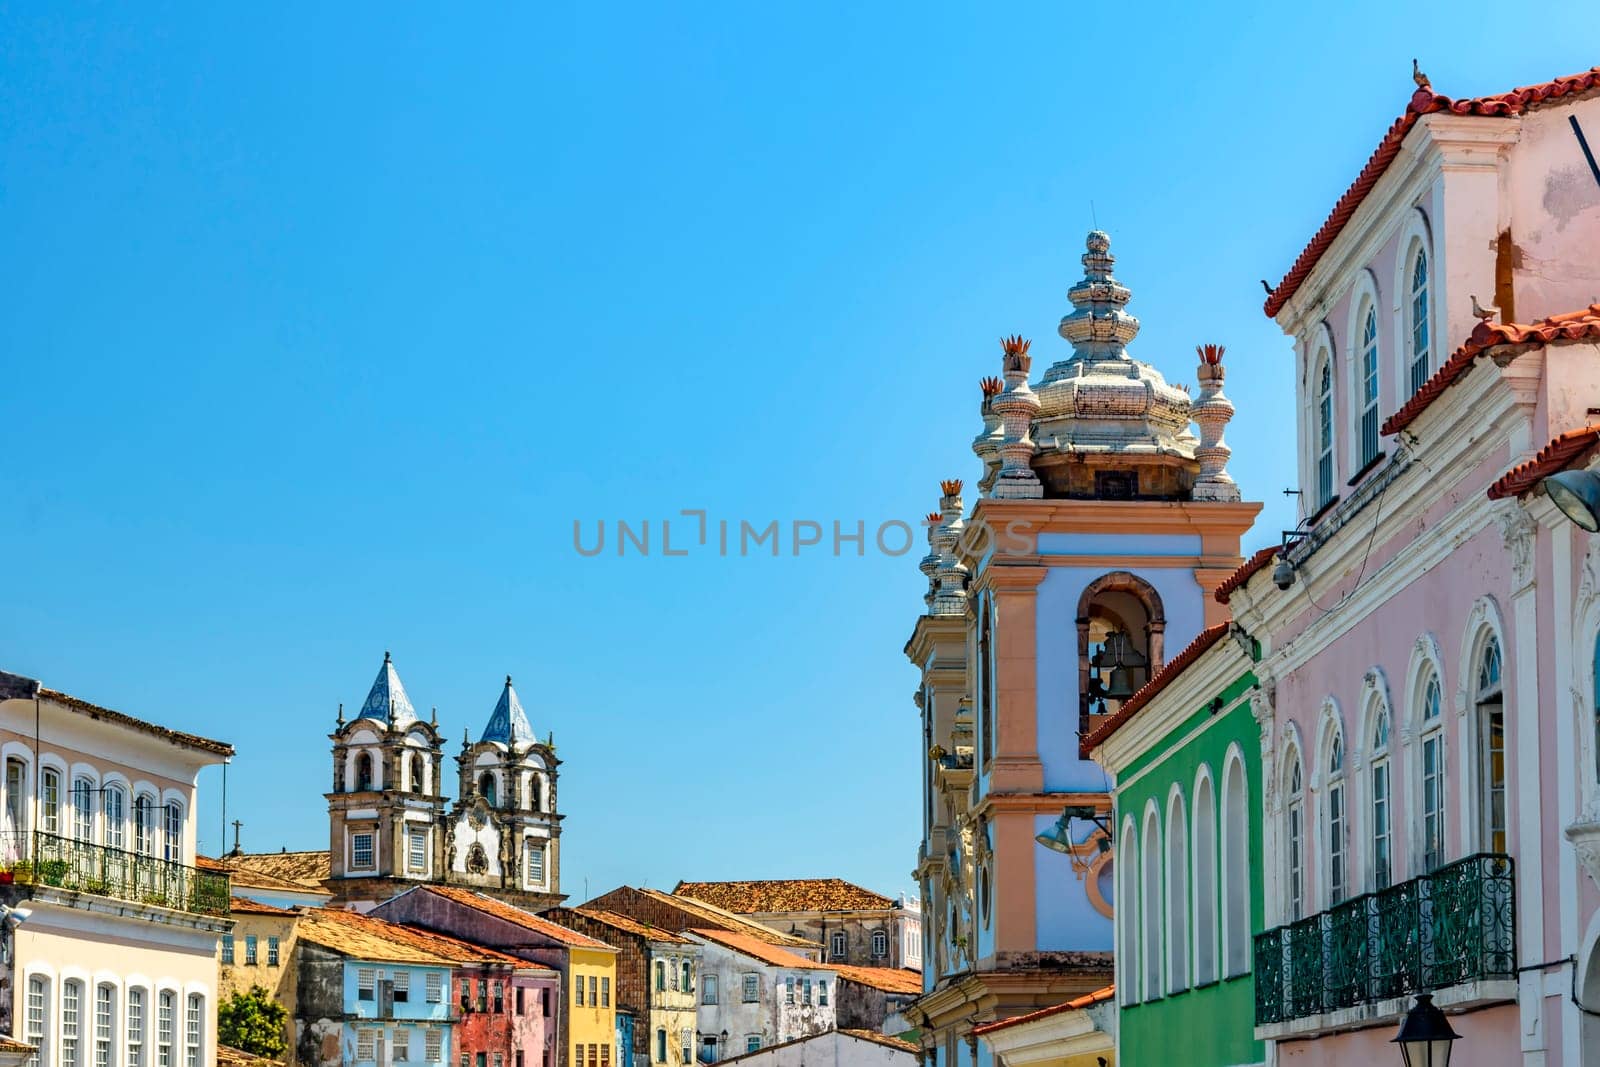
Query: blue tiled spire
{"x": 387, "y": 701}
{"x": 509, "y": 724}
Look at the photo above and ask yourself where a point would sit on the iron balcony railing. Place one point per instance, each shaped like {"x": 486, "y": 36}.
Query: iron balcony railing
{"x": 47, "y": 859}
{"x": 1455, "y": 925}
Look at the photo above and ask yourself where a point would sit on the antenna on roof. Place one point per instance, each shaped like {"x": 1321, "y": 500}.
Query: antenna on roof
{"x": 1093, "y": 218}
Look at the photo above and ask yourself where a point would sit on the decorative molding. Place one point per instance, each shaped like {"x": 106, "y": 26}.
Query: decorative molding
{"x": 1517, "y": 528}
{"x": 1585, "y": 838}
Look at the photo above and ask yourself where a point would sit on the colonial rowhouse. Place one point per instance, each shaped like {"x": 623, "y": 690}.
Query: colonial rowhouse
{"x": 388, "y": 823}
{"x": 1428, "y": 634}
{"x": 766, "y": 995}
{"x": 854, "y": 925}
{"x": 1184, "y": 756}
{"x": 1103, "y": 525}
{"x": 108, "y": 930}
{"x": 1079, "y": 1033}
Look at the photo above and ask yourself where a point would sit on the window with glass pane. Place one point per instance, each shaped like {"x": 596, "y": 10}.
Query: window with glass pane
{"x": 1369, "y": 387}
{"x": 433, "y": 1045}
{"x": 115, "y": 812}
{"x": 191, "y": 1038}
{"x": 708, "y": 989}
{"x": 361, "y": 857}
{"x": 227, "y": 949}
{"x": 1380, "y": 803}
{"x": 166, "y": 1007}
{"x": 272, "y": 952}
{"x": 102, "y": 1025}
{"x": 144, "y": 824}
{"x": 1419, "y": 322}
{"x": 535, "y": 863}
{"x": 250, "y": 950}
{"x": 822, "y": 992}
{"x": 1296, "y": 839}
{"x": 1433, "y": 800}
{"x": 1492, "y": 737}
{"x": 418, "y": 858}
{"x": 71, "y": 1006}
{"x": 16, "y": 790}
{"x": 135, "y": 1027}
{"x": 1336, "y": 863}
{"x": 1324, "y": 433}
{"x": 173, "y": 841}
{"x": 38, "y": 1011}
{"x": 752, "y": 988}
{"x": 83, "y": 810}
{"x": 51, "y": 822}
{"x": 752, "y": 1043}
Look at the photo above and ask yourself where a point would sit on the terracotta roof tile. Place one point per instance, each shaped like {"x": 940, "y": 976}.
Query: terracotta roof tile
{"x": 1148, "y": 692}
{"x": 307, "y": 870}
{"x": 246, "y": 906}
{"x": 882, "y": 1039}
{"x": 1078, "y": 1004}
{"x": 250, "y": 878}
{"x": 765, "y": 951}
{"x": 1423, "y": 102}
{"x": 237, "y": 1057}
{"x": 705, "y": 914}
{"x": 1251, "y": 568}
{"x": 11, "y": 1044}
{"x": 888, "y": 979}
{"x": 176, "y": 737}
{"x": 1558, "y": 455}
{"x": 1582, "y": 325}
{"x": 365, "y": 938}
{"x": 785, "y": 894}
{"x": 512, "y": 914}
{"x": 626, "y": 923}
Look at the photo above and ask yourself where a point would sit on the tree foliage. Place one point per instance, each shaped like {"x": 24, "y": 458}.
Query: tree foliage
{"x": 251, "y": 1020}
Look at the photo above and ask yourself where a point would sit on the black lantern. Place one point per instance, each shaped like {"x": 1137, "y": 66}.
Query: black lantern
{"x": 1425, "y": 1035}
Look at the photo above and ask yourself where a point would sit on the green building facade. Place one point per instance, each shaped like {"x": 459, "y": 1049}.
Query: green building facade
{"x": 1185, "y": 756}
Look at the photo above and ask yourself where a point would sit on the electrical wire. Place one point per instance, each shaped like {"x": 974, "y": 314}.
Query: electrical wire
{"x": 1377, "y": 518}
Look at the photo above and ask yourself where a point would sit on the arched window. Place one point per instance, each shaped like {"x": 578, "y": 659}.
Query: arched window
{"x": 880, "y": 944}
{"x": 173, "y": 838}
{"x": 116, "y": 805}
{"x": 51, "y": 781}
{"x": 1420, "y": 353}
{"x": 1177, "y": 896}
{"x": 1382, "y": 864}
{"x": 1150, "y": 906}
{"x": 363, "y": 772}
{"x": 1433, "y": 799}
{"x": 1324, "y": 431}
{"x": 38, "y": 1019}
{"x": 1121, "y": 629}
{"x": 486, "y": 787}
{"x": 105, "y": 999}
{"x": 419, "y": 774}
{"x": 1127, "y": 889}
{"x": 1295, "y": 833}
{"x": 1205, "y": 882}
{"x": 16, "y": 795}
{"x": 1338, "y": 874}
{"x": 985, "y": 684}
{"x": 1367, "y": 366}
{"x": 1492, "y": 748}
{"x": 536, "y": 792}
{"x": 1235, "y": 870}
{"x": 83, "y": 809}
{"x": 72, "y": 1023}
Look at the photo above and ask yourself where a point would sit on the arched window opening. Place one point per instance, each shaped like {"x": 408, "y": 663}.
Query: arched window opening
{"x": 144, "y": 824}
{"x": 1150, "y": 907}
{"x": 16, "y": 795}
{"x": 1420, "y": 356}
{"x": 486, "y": 787}
{"x": 1235, "y": 870}
{"x": 1492, "y": 748}
{"x": 1324, "y": 432}
{"x": 116, "y": 805}
{"x": 1337, "y": 874}
{"x": 1205, "y": 883}
{"x": 1433, "y": 800}
{"x": 1369, "y": 386}
{"x": 173, "y": 838}
{"x": 1121, "y": 626}
{"x": 363, "y": 772}
{"x": 985, "y": 683}
{"x": 83, "y": 810}
{"x": 1294, "y": 837}
{"x": 1127, "y": 890}
{"x": 1382, "y": 867}
{"x": 1177, "y": 898}
{"x": 51, "y": 783}
{"x": 419, "y": 774}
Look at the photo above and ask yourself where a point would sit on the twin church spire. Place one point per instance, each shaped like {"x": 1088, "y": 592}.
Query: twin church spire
{"x": 388, "y": 703}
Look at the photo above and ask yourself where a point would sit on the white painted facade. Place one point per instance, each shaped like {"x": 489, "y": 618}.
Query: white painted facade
{"x": 760, "y": 1003}
{"x": 836, "y": 1048}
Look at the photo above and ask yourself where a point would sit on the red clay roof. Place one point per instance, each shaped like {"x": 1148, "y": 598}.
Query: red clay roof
{"x": 765, "y": 951}
{"x": 1558, "y": 455}
{"x": 888, "y": 979}
{"x": 1085, "y": 1001}
{"x": 1147, "y": 692}
{"x": 246, "y": 906}
{"x": 1423, "y": 102}
{"x": 1237, "y": 579}
{"x": 511, "y": 914}
{"x": 785, "y": 894}
{"x": 625, "y": 923}
{"x": 366, "y": 938}
{"x": 1583, "y": 325}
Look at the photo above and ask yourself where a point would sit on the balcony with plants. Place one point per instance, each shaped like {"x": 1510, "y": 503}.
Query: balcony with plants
{"x": 48, "y": 860}
{"x": 1451, "y": 933}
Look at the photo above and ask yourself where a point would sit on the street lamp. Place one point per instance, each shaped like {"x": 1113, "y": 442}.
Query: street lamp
{"x": 1425, "y": 1035}
{"x": 1059, "y": 837}
{"x": 1577, "y": 494}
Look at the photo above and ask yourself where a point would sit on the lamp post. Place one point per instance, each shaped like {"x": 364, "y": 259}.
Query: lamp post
{"x": 1425, "y": 1036}
{"x": 1577, "y": 494}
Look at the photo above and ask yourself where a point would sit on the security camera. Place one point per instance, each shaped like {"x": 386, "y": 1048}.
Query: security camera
{"x": 17, "y": 916}
{"x": 1283, "y": 573}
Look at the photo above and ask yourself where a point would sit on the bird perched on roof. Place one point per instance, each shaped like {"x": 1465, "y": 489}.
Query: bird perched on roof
{"x": 1420, "y": 78}
{"x": 1481, "y": 313}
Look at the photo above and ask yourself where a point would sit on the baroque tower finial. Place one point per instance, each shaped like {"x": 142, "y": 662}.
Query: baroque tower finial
{"x": 987, "y": 444}
{"x": 1211, "y": 413}
{"x": 950, "y": 598}
{"x": 1016, "y": 405}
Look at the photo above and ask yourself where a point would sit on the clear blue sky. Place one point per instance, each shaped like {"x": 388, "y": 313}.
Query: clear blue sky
{"x": 323, "y": 324}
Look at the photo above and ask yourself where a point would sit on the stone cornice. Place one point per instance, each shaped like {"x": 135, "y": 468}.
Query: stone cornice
{"x": 1039, "y": 803}
{"x": 929, "y": 631}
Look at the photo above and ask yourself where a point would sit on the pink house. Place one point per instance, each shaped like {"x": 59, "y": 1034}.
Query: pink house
{"x": 1429, "y": 636}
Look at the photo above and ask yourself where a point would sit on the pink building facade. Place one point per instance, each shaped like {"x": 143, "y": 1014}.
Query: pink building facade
{"x": 1428, "y": 691}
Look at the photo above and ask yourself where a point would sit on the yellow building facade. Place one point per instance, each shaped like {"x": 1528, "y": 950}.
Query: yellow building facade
{"x": 591, "y": 1006}
{"x": 259, "y": 951}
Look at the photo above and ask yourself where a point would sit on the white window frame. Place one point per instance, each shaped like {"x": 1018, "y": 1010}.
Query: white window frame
{"x": 166, "y": 1026}
{"x": 72, "y": 1023}
{"x": 708, "y": 989}
{"x": 1203, "y": 845}
{"x": 105, "y": 1018}
{"x": 1419, "y": 303}
{"x": 136, "y": 1022}
{"x": 1489, "y": 705}
{"x": 880, "y": 938}
{"x": 37, "y": 1019}
{"x": 193, "y": 1030}
{"x": 1294, "y": 822}
{"x": 1178, "y": 902}
{"x": 1434, "y": 806}
{"x": 356, "y": 849}
{"x": 750, "y": 988}
{"x": 1326, "y": 471}
{"x": 1150, "y": 904}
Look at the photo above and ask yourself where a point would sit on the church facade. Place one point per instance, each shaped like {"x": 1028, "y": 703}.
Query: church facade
{"x": 1103, "y": 526}
{"x": 391, "y": 826}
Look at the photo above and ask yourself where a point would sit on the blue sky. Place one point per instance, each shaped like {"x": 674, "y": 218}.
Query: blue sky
{"x": 324, "y": 325}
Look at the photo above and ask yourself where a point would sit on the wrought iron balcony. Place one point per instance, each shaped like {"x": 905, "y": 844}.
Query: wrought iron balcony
{"x": 46, "y": 859}
{"x": 1455, "y": 925}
